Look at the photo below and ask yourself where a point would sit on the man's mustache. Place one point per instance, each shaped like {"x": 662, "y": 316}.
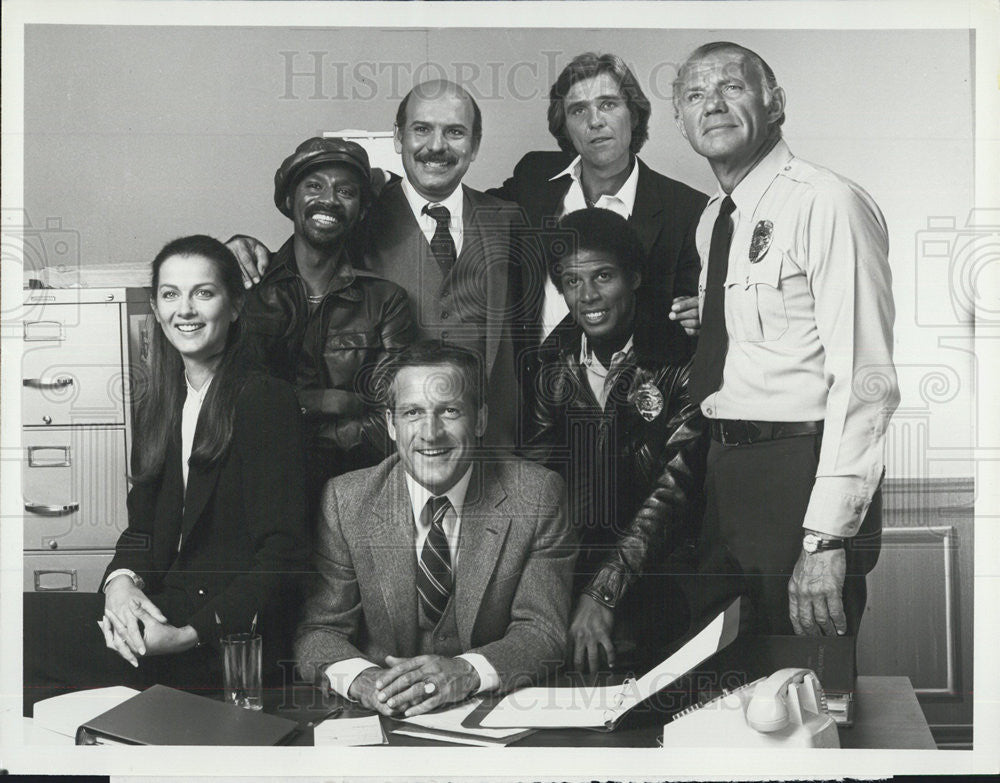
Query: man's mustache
{"x": 436, "y": 157}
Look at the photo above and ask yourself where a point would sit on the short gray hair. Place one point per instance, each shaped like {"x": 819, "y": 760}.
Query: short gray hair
{"x": 769, "y": 81}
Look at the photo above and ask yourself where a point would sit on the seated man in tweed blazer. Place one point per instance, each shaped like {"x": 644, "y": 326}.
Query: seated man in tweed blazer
{"x": 440, "y": 574}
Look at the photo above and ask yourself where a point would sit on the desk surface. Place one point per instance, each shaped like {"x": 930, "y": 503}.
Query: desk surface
{"x": 887, "y": 716}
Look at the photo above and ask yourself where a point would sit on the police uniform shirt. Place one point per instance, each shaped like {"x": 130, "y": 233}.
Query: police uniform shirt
{"x": 809, "y": 317}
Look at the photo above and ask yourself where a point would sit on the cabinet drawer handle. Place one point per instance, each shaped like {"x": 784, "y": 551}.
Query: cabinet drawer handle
{"x": 48, "y": 383}
{"x": 70, "y": 572}
{"x": 37, "y": 458}
{"x": 36, "y": 331}
{"x": 45, "y": 510}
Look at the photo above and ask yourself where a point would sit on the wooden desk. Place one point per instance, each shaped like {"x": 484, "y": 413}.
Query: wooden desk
{"x": 887, "y": 716}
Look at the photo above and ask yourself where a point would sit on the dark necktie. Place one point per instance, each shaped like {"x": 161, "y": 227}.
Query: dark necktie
{"x": 442, "y": 245}
{"x": 713, "y": 342}
{"x": 434, "y": 575}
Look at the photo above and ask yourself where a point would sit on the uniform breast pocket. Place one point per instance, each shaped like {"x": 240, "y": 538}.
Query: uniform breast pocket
{"x": 762, "y": 303}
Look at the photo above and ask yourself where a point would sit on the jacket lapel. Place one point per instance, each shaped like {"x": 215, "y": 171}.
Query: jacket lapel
{"x": 483, "y": 532}
{"x": 200, "y": 486}
{"x": 392, "y": 544}
{"x": 647, "y": 208}
{"x": 395, "y": 231}
{"x": 549, "y": 196}
{"x": 496, "y": 263}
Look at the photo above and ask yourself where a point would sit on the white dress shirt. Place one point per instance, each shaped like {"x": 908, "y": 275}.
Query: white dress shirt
{"x": 810, "y": 324}
{"x": 189, "y": 423}
{"x": 597, "y": 373}
{"x": 554, "y": 307}
{"x": 428, "y": 225}
{"x": 342, "y": 673}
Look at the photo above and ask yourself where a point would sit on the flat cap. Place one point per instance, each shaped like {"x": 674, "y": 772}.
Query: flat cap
{"x": 315, "y": 152}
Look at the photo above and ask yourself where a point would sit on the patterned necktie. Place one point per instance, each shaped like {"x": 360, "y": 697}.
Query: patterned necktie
{"x": 713, "y": 342}
{"x": 442, "y": 245}
{"x": 434, "y": 576}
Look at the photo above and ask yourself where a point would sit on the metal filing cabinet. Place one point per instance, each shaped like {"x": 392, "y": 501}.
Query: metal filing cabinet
{"x": 76, "y": 430}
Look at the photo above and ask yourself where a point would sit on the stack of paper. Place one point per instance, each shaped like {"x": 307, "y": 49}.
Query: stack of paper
{"x": 447, "y": 725}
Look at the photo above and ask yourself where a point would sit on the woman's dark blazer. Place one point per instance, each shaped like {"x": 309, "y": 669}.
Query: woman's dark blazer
{"x": 240, "y": 526}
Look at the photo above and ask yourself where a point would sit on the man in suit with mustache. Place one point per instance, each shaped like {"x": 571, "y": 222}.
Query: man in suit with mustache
{"x": 446, "y": 244}
{"x": 440, "y": 573}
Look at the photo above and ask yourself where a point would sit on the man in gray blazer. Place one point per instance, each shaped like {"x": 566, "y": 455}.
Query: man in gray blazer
{"x": 440, "y": 574}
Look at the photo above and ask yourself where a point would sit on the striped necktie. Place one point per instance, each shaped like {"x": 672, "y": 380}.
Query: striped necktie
{"x": 434, "y": 576}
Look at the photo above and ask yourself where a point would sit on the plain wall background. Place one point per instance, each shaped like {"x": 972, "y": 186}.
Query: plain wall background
{"x": 136, "y": 135}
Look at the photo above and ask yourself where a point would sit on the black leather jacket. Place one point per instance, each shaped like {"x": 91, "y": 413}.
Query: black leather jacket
{"x": 635, "y": 486}
{"x": 335, "y": 347}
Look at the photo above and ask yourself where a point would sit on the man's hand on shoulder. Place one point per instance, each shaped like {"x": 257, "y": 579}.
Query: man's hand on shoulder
{"x": 424, "y": 683}
{"x": 253, "y": 257}
{"x": 815, "y": 593}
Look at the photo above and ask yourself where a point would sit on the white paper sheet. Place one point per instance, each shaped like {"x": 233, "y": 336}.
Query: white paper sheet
{"x": 65, "y": 713}
{"x": 451, "y": 720}
{"x": 457, "y": 740}
{"x": 593, "y": 707}
{"x": 347, "y": 732}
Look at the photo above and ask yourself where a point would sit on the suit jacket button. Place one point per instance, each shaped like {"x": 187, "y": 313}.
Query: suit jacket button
{"x": 201, "y": 591}
{"x": 442, "y": 638}
{"x": 444, "y": 315}
{"x": 444, "y": 335}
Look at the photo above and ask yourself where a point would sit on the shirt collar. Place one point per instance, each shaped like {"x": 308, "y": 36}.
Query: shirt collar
{"x": 588, "y": 359}
{"x": 747, "y": 194}
{"x": 196, "y": 394}
{"x": 626, "y": 193}
{"x": 454, "y": 202}
{"x": 419, "y": 494}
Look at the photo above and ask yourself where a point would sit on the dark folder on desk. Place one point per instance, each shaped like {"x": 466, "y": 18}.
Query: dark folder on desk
{"x": 165, "y": 716}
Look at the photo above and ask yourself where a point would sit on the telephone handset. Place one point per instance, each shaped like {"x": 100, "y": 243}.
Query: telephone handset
{"x": 787, "y": 709}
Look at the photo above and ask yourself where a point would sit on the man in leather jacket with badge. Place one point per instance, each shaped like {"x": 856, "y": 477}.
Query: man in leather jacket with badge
{"x": 317, "y": 320}
{"x": 620, "y": 428}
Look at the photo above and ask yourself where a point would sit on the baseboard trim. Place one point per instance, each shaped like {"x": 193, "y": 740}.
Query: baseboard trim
{"x": 952, "y": 736}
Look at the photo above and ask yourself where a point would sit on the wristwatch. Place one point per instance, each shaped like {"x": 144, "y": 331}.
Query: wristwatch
{"x": 812, "y": 543}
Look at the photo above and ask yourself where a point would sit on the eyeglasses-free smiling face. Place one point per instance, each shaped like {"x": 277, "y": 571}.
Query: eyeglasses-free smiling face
{"x": 598, "y": 121}
{"x": 599, "y": 294}
{"x": 436, "y": 143}
{"x": 326, "y": 203}
{"x": 193, "y": 309}
{"x": 435, "y": 425}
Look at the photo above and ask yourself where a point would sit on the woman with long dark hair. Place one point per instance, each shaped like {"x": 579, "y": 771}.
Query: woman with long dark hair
{"x": 217, "y": 527}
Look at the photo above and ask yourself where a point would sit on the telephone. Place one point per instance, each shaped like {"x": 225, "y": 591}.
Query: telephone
{"x": 787, "y": 709}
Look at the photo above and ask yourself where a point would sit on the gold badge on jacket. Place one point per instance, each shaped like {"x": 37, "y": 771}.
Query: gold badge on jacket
{"x": 761, "y": 240}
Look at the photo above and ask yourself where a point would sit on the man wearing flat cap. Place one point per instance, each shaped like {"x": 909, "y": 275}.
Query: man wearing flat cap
{"x": 318, "y": 321}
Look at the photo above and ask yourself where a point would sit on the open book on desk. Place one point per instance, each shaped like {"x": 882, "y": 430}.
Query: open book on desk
{"x": 604, "y": 707}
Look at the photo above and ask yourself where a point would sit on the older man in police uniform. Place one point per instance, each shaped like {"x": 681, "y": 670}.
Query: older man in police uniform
{"x": 797, "y": 317}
